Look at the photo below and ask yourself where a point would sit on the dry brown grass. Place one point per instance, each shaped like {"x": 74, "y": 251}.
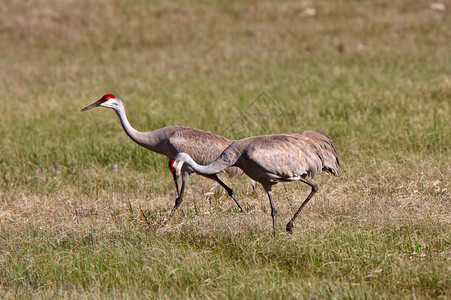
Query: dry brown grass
{"x": 73, "y": 187}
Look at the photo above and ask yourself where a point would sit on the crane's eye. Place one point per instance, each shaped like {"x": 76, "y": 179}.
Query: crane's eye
{"x": 108, "y": 97}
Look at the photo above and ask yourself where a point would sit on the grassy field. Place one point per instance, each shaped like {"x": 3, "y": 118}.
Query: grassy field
{"x": 374, "y": 75}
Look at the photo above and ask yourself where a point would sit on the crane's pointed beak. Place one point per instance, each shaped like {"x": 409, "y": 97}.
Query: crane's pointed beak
{"x": 94, "y": 105}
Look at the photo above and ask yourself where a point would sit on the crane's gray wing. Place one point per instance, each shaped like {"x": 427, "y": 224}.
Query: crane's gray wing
{"x": 287, "y": 156}
{"x": 324, "y": 149}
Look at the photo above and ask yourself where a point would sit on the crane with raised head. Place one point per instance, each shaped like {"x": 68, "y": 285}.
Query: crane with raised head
{"x": 203, "y": 146}
{"x": 270, "y": 159}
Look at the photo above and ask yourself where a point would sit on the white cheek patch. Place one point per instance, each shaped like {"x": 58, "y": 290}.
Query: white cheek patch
{"x": 110, "y": 102}
{"x": 178, "y": 164}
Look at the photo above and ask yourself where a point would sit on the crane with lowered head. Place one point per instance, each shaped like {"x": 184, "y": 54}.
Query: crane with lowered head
{"x": 270, "y": 159}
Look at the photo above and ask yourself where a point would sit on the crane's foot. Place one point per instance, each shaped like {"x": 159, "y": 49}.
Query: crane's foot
{"x": 167, "y": 219}
{"x": 290, "y": 227}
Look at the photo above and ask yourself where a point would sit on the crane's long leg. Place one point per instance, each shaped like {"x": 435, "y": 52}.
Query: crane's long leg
{"x": 314, "y": 190}
{"x": 229, "y": 190}
{"x": 268, "y": 189}
{"x": 179, "y": 199}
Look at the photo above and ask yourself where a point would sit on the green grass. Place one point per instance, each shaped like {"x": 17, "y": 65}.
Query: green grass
{"x": 375, "y": 76}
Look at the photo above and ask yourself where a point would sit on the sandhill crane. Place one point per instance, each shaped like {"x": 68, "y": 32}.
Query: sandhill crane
{"x": 203, "y": 146}
{"x": 270, "y": 159}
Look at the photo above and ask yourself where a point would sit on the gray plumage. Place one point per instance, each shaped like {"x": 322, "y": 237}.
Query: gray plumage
{"x": 203, "y": 146}
{"x": 270, "y": 159}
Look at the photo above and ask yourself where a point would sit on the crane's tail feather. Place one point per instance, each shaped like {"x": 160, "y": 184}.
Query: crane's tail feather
{"x": 325, "y": 150}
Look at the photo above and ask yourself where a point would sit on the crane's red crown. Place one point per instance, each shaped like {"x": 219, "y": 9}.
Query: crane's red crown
{"x": 171, "y": 165}
{"x": 107, "y": 97}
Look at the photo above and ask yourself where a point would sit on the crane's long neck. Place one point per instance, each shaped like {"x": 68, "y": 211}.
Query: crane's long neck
{"x": 145, "y": 139}
{"x": 225, "y": 160}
